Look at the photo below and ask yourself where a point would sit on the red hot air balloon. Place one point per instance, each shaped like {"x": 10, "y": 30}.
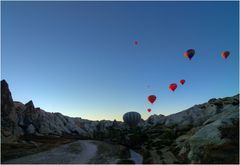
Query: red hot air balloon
{"x": 182, "y": 81}
{"x": 172, "y": 87}
{"x": 149, "y": 110}
{"x": 189, "y": 53}
{"x": 152, "y": 98}
{"x": 135, "y": 42}
{"x": 225, "y": 54}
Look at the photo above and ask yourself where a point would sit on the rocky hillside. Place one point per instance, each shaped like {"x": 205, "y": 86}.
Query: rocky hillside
{"x": 20, "y": 119}
{"x": 204, "y": 133}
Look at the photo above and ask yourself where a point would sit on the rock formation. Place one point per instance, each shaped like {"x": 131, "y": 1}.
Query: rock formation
{"x": 23, "y": 119}
{"x": 204, "y": 133}
{"x": 9, "y": 127}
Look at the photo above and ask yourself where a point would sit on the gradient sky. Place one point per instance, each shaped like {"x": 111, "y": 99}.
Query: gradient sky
{"x": 79, "y": 58}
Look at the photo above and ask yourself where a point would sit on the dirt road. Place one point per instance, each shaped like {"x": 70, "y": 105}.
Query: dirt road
{"x": 79, "y": 152}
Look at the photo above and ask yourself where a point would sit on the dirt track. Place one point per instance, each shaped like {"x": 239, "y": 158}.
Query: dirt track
{"x": 79, "y": 152}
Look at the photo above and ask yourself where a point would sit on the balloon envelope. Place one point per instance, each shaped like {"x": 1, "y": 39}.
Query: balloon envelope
{"x": 225, "y": 54}
{"x": 152, "y": 98}
{"x": 189, "y": 53}
{"x": 182, "y": 81}
{"x": 132, "y": 118}
{"x": 149, "y": 110}
{"x": 172, "y": 87}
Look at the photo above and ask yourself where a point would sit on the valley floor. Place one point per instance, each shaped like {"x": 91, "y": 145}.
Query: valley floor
{"x": 79, "y": 152}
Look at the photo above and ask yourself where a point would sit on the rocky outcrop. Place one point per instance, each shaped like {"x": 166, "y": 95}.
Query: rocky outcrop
{"x": 196, "y": 115}
{"x": 30, "y": 129}
{"x": 9, "y": 128}
{"x": 24, "y": 119}
{"x": 204, "y": 133}
{"x": 156, "y": 119}
{"x": 216, "y": 138}
{"x": 30, "y": 105}
{"x": 6, "y": 95}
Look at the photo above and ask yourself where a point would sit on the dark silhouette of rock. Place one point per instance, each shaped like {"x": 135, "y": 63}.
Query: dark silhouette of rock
{"x": 30, "y": 105}
{"x": 9, "y": 129}
{"x": 6, "y": 96}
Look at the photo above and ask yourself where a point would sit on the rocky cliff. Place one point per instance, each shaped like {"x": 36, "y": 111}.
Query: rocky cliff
{"x": 19, "y": 119}
{"x": 9, "y": 127}
{"x": 204, "y": 133}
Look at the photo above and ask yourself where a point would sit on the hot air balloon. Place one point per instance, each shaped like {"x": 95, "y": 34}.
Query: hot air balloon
{"x": 182, "y": 81}
{"x": 149, "y": 110}
{"x": 135, "y": 42}
{"x": 152, "y": 98}
{"x": 225, "y": 54}
{"x": 132, "y": 118}
{"x": 172, "y": 87}
{"x": 189, "y": 53}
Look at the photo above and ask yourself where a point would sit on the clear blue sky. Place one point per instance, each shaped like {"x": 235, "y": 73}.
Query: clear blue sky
{"x": 79, "y": 58}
